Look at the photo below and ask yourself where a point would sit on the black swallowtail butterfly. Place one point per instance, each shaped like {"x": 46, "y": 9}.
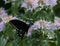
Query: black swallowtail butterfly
{"x": 21, "y": 27}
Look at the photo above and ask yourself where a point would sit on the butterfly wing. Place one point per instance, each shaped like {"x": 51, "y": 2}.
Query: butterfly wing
{"x": 21, "y": 27}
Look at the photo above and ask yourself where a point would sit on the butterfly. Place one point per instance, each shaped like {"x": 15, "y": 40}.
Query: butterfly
{"x": 21, "y": 27}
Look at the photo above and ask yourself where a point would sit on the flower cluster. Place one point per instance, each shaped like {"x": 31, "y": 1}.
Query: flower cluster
{"x": 30, "y": 4}
{"x": 45, "y": 25}
{"x": 33, "y": 4}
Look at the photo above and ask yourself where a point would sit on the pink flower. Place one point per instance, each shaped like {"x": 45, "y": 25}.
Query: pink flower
{"x": 30, "y": 4}
{"x": 50, "y": 2}
{"x": 2, "y": 26}
{"x": 2, "y": 13}
{"x": 57, "y": 21}
{"x": 24, "y": 4}
{"x": 44, "y": 25}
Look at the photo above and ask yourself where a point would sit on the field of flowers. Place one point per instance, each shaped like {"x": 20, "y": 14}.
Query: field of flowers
{"x": 42, "y": 19}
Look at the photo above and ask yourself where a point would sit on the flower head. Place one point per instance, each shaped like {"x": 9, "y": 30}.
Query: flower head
{"x": 8, "y": 18}
{"x": 2, "y": 26}
{"x": 30, "y": 4}
{"x": 57, "y": 21}
{"x": 33, "y": 4}
{"x": 50, "y": 2}
{"x": 42, "y": 24}
{"x": 2, "y": 13}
